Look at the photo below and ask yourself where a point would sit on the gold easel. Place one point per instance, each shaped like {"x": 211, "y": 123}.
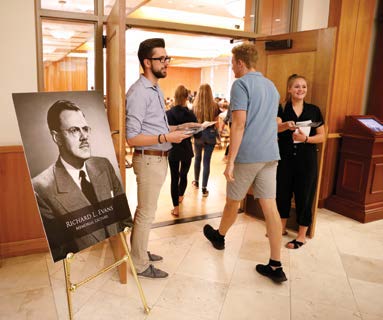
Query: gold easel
{"x": 71, "y": 287}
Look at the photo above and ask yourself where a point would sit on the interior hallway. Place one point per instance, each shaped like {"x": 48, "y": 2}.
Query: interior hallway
{"x": 336, "y": 275}
{"x": 193, "y": 204}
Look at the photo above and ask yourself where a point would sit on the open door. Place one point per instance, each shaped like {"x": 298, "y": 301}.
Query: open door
{"x": 115, "y": 80}
{"x": 115, "y": 101}
{"x": 312, "y": 55}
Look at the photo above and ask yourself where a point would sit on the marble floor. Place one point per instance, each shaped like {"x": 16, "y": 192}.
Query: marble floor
{"x": 336, "y": 275}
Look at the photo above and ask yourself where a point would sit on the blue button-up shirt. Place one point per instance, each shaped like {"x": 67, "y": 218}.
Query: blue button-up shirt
{"x": 145, "y": 112}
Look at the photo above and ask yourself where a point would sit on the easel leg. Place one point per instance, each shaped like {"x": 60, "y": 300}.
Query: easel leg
{"x": 67, "y": 262}
{"x": 133, "y": 268}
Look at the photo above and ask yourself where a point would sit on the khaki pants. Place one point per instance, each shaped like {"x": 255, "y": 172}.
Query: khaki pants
{"x": 150, "y": 174}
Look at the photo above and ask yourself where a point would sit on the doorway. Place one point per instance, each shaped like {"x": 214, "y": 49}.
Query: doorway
{"x": 196, "y": 59}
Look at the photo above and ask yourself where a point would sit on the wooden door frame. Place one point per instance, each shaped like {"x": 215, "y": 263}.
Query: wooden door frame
{"x": 322, "y": 41}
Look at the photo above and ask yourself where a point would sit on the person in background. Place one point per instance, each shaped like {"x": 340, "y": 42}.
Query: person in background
{"x": 253, "y": 155}
{"x": 148, "y": 131}
{"x": 205, "y": 109}
{"x": 181, "y": 154}
{"x": 298, "y": 168}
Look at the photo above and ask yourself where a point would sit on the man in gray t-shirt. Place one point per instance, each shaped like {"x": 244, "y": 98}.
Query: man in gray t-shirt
{"x": 253, "y": 156}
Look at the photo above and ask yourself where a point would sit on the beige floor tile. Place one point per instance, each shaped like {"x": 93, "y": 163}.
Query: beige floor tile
{"x": 193, "y": 296}
{"x": 152, "y": 288}
{"x": 108, "y": 306}
{"x": 318, "y": 255}
{"x": 365, "y": 269}
{"x": 183, "y": 229}
{"x": 255, "y": 245}
{"x": 321, "y": 288}
{"x": 357, "y": 239}
{"x": 245, "y": 275}
{"x": 79, "y": 297}
{"x": 366, "y": 316}
{"x": 27, "y": 274}
{"x": 33, "y": 304}
{"x": 304, "y": 310}
{"x": 172, "y": 314}
{"x": 205, "y": 262}
{"x": 245, "y": 303}
{"x": 368, "y": 296}
{"x": 173, "y": 250}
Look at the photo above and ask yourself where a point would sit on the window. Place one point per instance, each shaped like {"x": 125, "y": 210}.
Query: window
{"x": 83, "y": 6}
{"x": 68, "y": 55}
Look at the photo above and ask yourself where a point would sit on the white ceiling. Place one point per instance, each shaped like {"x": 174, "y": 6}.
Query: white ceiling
{"x": 188, "y": 50}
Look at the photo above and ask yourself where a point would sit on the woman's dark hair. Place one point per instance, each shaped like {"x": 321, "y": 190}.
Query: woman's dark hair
{"x": 181, "y": 95}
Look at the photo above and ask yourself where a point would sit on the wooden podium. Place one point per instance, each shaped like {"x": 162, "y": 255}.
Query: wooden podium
{"x": 359, "y": 189}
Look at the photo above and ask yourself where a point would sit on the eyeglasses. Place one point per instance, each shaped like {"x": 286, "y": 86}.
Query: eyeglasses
{"x": 161, "y": 59}
{"x": 76, "y": 132}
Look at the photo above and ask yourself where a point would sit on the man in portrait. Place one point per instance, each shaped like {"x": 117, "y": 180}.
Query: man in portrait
{"x": 77, "y": 194}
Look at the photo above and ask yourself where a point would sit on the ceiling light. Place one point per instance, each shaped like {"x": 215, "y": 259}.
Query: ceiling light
{"x": 62, "y": 34}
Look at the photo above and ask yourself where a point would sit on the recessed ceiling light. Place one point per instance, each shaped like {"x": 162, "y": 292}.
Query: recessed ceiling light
{"x": 62, "y": 34}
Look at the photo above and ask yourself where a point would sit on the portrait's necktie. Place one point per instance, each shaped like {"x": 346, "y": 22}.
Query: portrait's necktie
{"x": 87, "y": 188}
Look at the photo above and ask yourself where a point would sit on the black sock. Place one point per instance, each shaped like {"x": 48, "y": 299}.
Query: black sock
{"x": 274, "y": 263}
{"x": 220, "y": 236}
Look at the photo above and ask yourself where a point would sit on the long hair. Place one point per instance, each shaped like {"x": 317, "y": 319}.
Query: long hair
{"x": 290, "y": 82}
{"x": 204, "y": 106}
{"x": 181, "y": 95}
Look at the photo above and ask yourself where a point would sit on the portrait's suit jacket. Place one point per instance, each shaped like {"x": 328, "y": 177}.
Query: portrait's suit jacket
{"x": 57, "y": 195}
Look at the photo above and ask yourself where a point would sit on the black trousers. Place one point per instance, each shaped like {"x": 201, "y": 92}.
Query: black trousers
{"x": 297, "y": 175}
{"x": 178, "y": 174}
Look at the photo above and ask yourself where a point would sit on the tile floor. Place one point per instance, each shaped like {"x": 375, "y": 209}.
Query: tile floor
{"x": 336, "y": 275}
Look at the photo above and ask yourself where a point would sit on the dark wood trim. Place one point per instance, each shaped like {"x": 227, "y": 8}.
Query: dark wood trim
{"x": 334, "y": 13}
{"x": 11, "y": 149}
{"x": 24, "y": 247}
{"x": 189, "y": 28}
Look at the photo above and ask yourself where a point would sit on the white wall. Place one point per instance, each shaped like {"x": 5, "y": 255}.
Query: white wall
{"x": 220, "y": 78}
{"x": 18, "y": 62}
{"x": 313, "y": 14}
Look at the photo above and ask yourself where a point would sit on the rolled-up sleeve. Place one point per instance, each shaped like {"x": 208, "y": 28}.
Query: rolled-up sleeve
{"x": 135, "y": 111}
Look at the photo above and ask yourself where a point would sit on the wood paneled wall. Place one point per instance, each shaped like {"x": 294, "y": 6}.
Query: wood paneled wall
{"x": 274, "y": 16}
{"x": 353, "y": 43}
{"x": 189, "y": 77}
{"x": 21, "y": 230}
{"x": 68, "y": 74}
{"x": 375, "y": 100}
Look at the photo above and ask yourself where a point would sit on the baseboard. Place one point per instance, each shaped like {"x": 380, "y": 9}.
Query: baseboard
{"x": 22, "y": 248}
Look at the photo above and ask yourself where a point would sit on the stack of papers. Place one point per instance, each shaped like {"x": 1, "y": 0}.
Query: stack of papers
{"x": 195, "y": 129}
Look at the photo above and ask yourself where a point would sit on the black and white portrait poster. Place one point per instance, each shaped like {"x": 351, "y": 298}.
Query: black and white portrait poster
{"x": 73, "y": 168}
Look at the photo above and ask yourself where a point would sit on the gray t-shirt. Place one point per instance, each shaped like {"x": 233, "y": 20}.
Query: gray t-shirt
{"x": 145, "y": 112}
{"x": 260, "y": 99}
